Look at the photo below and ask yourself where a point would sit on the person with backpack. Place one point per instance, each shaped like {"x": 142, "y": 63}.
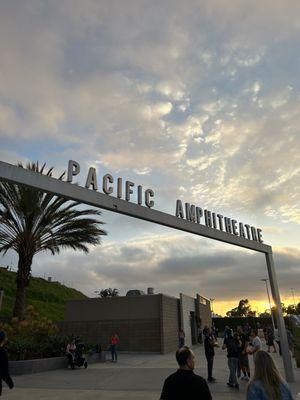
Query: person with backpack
{"x": 231, "y": 343}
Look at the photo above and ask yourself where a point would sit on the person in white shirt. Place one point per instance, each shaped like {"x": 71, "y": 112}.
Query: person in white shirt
{"x": 255, "y": 342}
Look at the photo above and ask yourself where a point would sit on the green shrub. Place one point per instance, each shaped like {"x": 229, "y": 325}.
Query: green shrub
{"x": 34, "y": 337}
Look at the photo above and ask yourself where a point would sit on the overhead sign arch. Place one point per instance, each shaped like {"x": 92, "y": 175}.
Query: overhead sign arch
{"x": 105, "y": 201}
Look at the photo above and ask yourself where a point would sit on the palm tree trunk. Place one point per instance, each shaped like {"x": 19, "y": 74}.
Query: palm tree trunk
{"x": 23, "y": 279}
{"x": 20, "y": 303}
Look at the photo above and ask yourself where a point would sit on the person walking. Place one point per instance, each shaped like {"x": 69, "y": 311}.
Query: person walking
{"x": 70, "y": 351}
{"x": 181, "y": 337}
{"x": 243, "y": 356}
{"x": 270, "y": 339}
{"x": 247, "y": 331}
{"x": 267, "y": 382}
{"x": 205, "y": 330}
{"x": 226, "y": 331}
{"x": 4, "y": 371}
{"x": 184, "y": 383}
{"x": 231, "y": 343}
{"x": 209, "y": 347}
{"x": 114, "y": 341}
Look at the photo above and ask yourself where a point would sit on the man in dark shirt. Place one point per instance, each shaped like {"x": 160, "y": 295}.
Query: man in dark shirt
{"x": 4, "y": 373}
{"x": 209, "y": 347}
{"x": 231, "y": 343}
{"x": 184, "y": 384}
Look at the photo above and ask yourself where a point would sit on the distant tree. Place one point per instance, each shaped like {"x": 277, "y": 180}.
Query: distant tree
{"x": 251, "y": 313}
{"x": 291, "y": 309}
{"x": 283, "y": 309}
{"x": 242, "y": 310}
{"x": 265, "y": 314}
{"x": 32, "y": 221}
{"x": 109, "y": 292}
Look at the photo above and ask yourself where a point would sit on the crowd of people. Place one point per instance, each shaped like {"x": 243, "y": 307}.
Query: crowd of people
{"x": 266, "y": 382}
{"x": 239, "y": 345}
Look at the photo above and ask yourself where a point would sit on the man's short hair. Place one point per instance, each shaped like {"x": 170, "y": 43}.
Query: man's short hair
{"x": 255, "y": 331}
{"x": 182, "y": 355}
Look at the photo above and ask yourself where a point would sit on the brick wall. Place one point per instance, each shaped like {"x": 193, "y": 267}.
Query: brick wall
{"x": 187, "y": 304}
{"x": 135, "y": 335}
{"x": 204, "y": 311}
{"x": 143, "y": 323}
{"x": 113, "y": 308}
{"x": 169, "y": 323}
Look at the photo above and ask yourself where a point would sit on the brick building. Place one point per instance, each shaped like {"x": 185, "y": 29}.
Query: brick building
{"x": 145, "y": 323}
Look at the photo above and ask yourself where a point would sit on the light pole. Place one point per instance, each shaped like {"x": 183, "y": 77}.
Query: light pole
{"x": 266, "y": 282}
{"x": 293, "y": 293}
{"x": 212, "y": 305}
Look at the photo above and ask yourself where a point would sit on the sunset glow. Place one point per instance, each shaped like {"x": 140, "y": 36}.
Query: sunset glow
{"x": 260, "y": 306}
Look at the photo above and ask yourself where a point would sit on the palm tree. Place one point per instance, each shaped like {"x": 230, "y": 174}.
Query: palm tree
{"x": 32, "y": 221}
{"x": 109, "y": 292}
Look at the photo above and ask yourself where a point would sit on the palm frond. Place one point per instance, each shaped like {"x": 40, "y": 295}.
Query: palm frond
{"x": 38, "y": 221}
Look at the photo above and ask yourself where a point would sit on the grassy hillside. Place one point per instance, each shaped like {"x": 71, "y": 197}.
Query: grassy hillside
{"x": 47, "y": 298}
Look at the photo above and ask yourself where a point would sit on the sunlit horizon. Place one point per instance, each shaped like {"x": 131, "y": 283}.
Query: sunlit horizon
{"x": 220, "y": 307}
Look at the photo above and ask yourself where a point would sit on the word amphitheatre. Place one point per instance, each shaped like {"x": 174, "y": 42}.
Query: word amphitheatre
{"x": 127, "y": 190}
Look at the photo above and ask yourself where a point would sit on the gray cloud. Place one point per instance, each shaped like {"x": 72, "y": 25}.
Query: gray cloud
{"x": 173, "y": 264}
{"x": 198, "y": 102}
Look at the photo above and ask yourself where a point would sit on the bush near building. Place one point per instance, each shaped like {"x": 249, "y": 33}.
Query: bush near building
{"x": 34, "y": 337}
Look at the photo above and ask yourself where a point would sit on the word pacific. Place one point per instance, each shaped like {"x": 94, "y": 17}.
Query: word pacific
{"x": 108, "y": 186}
{"x": 218, "y": 221}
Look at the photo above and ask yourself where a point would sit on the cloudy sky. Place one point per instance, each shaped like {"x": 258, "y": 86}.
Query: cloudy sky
{"x": 198, "y": 100}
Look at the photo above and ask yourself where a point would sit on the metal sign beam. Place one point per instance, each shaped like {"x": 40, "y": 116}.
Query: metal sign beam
{"x": 38, "y": 181}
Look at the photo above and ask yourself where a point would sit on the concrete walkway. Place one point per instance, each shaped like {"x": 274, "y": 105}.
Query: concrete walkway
{"x": 133, "y": 377}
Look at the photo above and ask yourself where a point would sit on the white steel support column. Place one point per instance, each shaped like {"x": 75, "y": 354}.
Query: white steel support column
{"x": 286, "y": 356}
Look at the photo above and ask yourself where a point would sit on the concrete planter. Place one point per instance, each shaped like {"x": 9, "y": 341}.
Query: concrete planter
{"x": 46, "y": 364}
{"x": 39, "y": 365}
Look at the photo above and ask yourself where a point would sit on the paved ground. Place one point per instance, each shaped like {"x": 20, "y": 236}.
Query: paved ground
{"x": 133, "y": 377}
